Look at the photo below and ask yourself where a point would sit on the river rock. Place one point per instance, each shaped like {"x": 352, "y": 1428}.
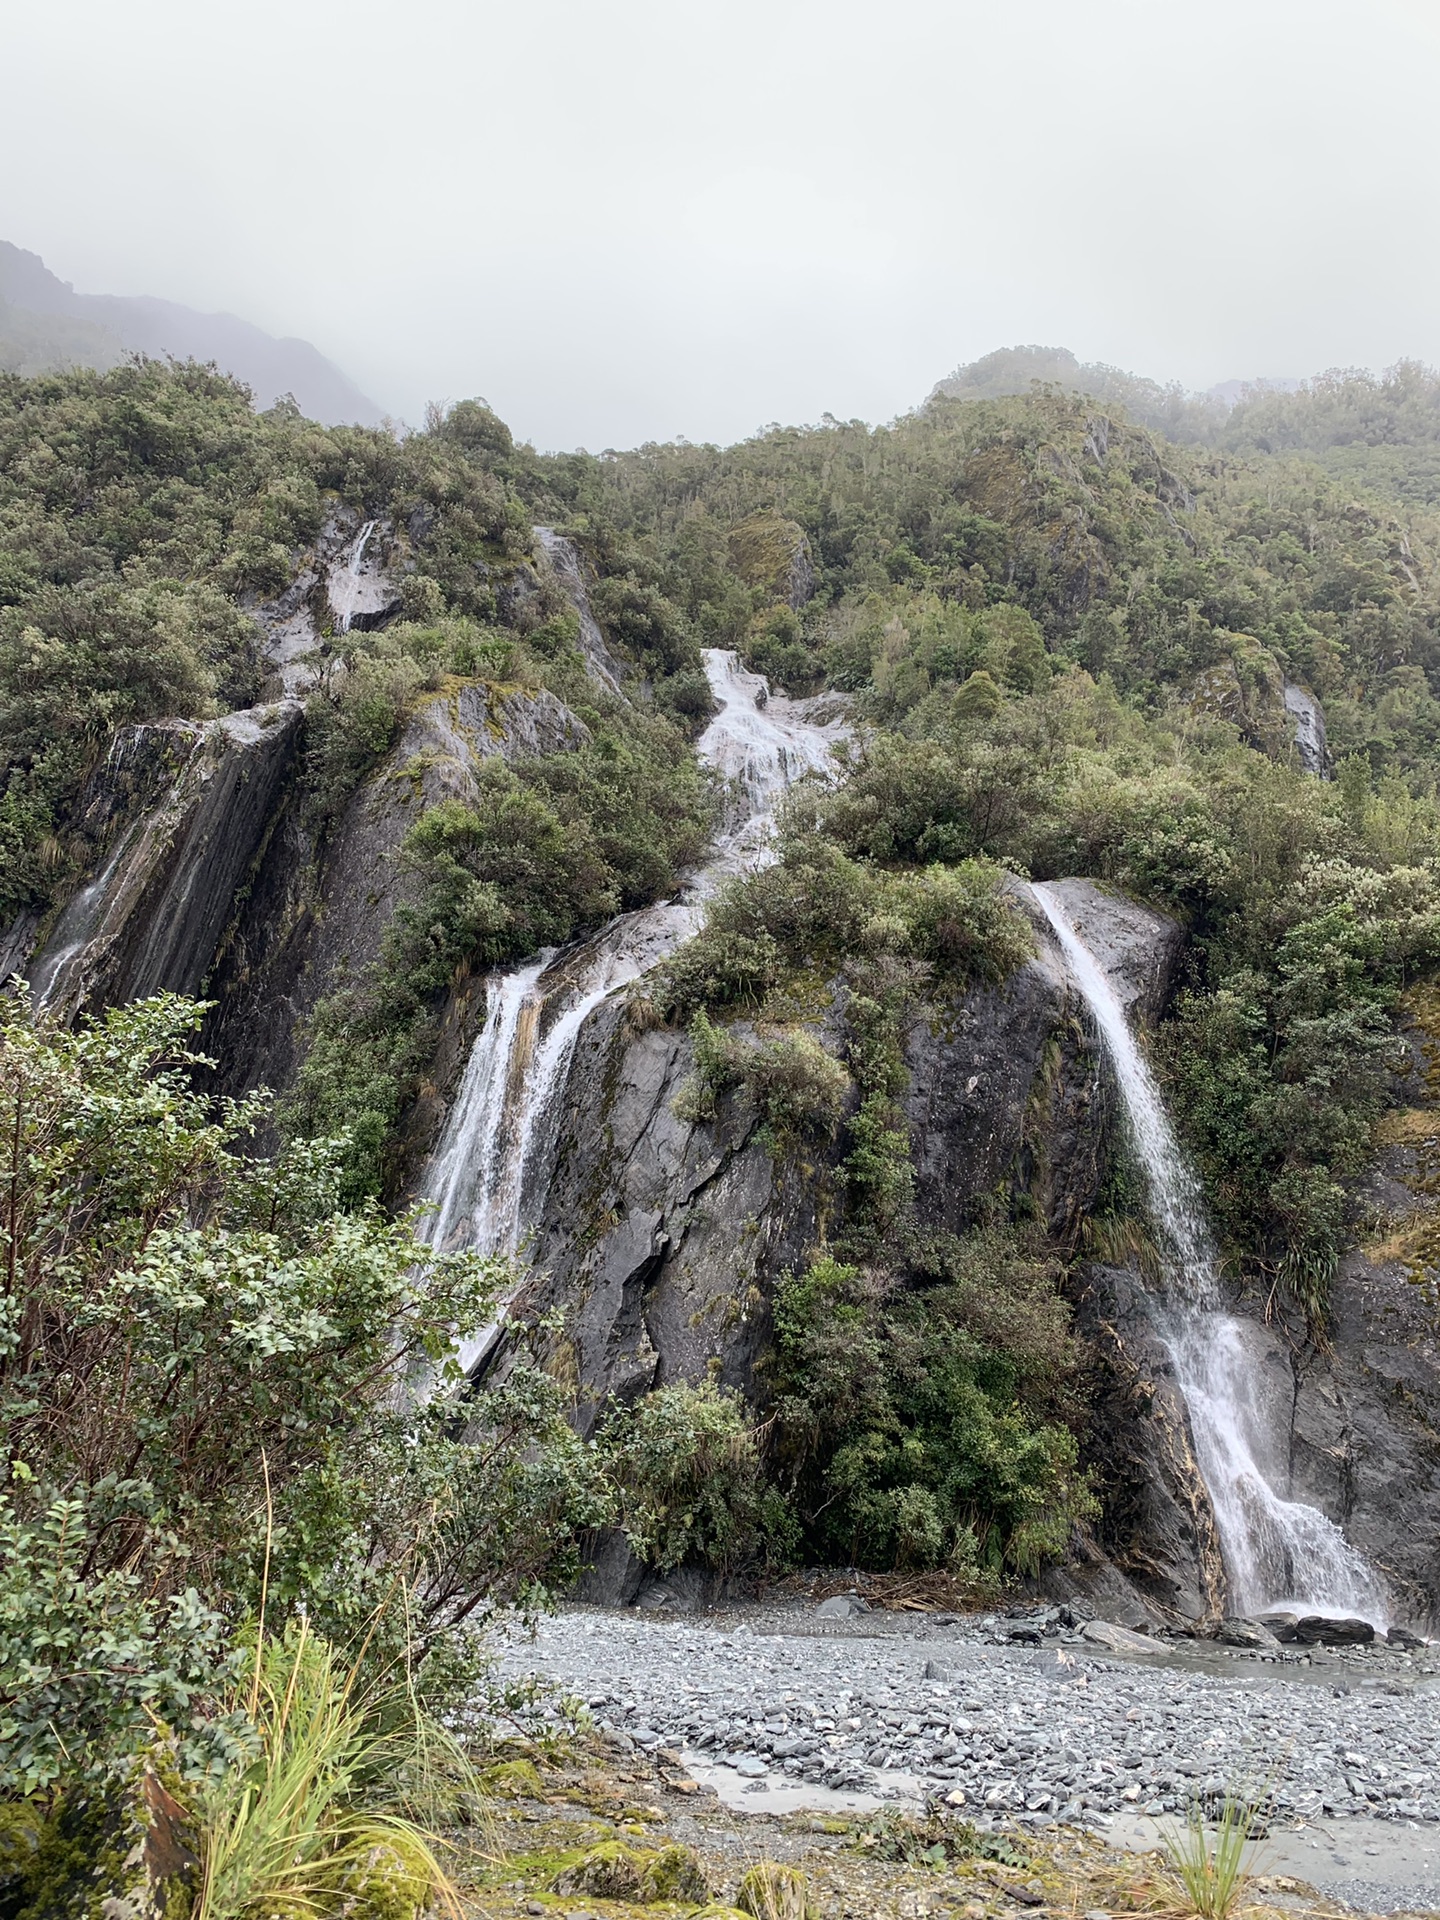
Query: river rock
{"x": 1253, "y": 1634}
{"x": 839, "y": 1606}
{"x": 1316, "y": 1630}
{"x": 1104, "y": 1633}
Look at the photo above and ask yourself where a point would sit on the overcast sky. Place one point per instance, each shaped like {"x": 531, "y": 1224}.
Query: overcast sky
{"x": 631, "y": 219}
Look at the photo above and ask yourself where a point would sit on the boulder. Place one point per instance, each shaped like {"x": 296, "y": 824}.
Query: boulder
{"x": 613, "y": 1871}
{"x": 1318, "y": 1630}
{"x": 1279, "y": 1623}
{"x": 1403, "y": 1638}
{"x": 1252, "y": 1634}
{"x": 128, "y": 1853}
{"x": 1104, "y": 1633}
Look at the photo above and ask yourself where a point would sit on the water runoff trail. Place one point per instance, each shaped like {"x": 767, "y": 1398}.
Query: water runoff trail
{"x": 1278, "y": 1553}
{"x": 486, "y": 1179}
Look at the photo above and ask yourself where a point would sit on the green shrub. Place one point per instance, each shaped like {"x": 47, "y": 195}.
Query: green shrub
{"x": 916, "y": 1425}
{"x": 798, "y": 1089}
{"x": 202, "y": 1403}
{"x": 686, "y": 1466}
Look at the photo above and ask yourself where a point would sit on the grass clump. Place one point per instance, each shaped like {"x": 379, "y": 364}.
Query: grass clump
{"x": 772, "y": 1891}
{"x": 1209, "y": 1861}
{"x": 330, "y": 1813}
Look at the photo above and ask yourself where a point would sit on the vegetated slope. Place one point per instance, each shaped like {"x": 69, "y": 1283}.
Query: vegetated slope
{"x": 1067, "y": 642}
{"x": 1070, "y": 642}
{"x": 1380, "y": 433}
{"x": 1071, "y": 639}
{"x": 46, "y": 326}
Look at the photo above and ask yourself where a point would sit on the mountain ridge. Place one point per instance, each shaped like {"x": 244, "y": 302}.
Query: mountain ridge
{"x": 110, "y": 325}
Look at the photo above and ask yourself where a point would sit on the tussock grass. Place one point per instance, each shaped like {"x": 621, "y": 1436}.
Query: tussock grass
{"x": 334, "y": 1807}
{"x": 1209, "y": 1861}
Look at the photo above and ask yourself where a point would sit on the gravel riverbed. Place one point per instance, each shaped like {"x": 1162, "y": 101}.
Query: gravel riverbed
{"x": 1040, "y": 1732}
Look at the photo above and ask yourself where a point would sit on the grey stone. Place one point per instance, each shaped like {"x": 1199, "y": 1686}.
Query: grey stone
{"x": 1316, "y": 1630}
{"x": 1253, "y": 1634}
{"x": 1103, "y": 1633}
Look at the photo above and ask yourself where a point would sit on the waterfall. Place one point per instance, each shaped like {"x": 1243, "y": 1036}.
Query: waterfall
{"x": 1278, "y": 1552}
{"x": 52, "y": 974}
{"x": 351, "y": 579}
{"x": 487, "y": 1177}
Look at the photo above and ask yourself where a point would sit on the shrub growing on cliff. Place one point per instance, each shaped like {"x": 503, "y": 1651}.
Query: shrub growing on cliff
{"x": 917, "y": 1426}
{"x": 686, "y": 1467}
{"x": 816, "y": 908}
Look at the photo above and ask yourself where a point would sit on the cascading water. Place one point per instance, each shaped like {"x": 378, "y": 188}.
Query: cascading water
{"x": 1278, "y": 1553}
{"x": 486, "y": 1179}
{"x": 350, "y": 580}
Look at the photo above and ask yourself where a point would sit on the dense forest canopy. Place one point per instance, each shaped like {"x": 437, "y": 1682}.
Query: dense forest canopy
{"x": 1071, "y": 638}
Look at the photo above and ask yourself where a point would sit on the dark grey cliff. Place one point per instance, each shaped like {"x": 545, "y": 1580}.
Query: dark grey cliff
{"x": 662, "y": 1236}
{"x": 179, "y": 809}
{"x": 318, "y": 909}
{"x": 1364, "y": 1406}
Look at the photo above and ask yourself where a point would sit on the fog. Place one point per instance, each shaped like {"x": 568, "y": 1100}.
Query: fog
{"x": 632, "y": 219}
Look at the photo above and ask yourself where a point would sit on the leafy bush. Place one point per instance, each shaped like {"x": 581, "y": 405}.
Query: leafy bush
{"x": 90, "y": 1664}
{"x": 816, "y": 906}
{"x": 916, "y": 1426}
{"x": 686, "y": 1466}
{"x": 201, "y": 1404}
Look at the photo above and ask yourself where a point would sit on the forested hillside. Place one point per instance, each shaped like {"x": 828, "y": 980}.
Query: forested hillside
{"x": 803, "y": 1265}
{"x": 1069, "y": 639}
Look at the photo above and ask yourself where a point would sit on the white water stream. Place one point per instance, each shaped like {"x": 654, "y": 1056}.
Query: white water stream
{"x": 350, "y": 580}
{"x": 487, "y": 1177}
{"x": 1278, "y": 1553}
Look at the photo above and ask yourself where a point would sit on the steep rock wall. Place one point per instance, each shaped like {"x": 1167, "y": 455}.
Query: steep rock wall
{"x": 318, "y": 910}
{"x": 662, "y": 1236}
{"x": 180, "y": 809}
{"x": 1362, "y": 1428}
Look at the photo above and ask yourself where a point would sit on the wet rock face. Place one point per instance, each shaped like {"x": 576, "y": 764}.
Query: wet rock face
{"x": 1307, "y": 720}
{"x": 1157, "y": 1528}
{"x": 349, "y": 579}
{"x": 1362, "y": 1413}
{"x": 663, "y": 1237}
{"x": 659, "y": 1235}
{"x": 563, "y": 562}
{"x": 1137, "y": 948}
{"x": 318, "y": 914}
{"x": 975, "y": 1067}
{"x": 151, "y": 917}
{"x": 1364, "y": 1426}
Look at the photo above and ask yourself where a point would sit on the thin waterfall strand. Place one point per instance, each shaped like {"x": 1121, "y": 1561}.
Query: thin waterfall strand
{"x": 352, "y": 577}
{"x": 1278, "y": 1552}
